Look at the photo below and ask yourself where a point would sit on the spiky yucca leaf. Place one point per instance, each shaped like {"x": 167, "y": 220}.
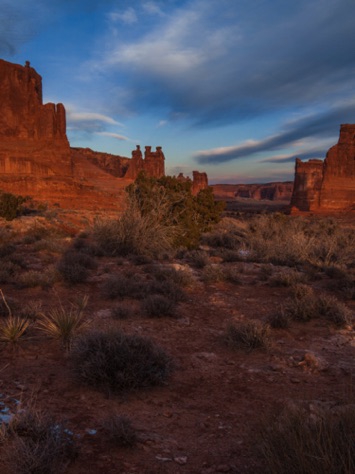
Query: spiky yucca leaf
{"x": 64, "y": 324}
{"x": 12, "y": 329}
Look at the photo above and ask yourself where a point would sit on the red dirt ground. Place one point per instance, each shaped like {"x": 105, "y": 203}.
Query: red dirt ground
{"x": 207, "y": 418}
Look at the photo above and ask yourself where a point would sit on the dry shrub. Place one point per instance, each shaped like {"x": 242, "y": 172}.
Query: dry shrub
{"x": 119, "y": 430}
{"x": 197, "y": 258}
{"x": 74, "y": 267}
{"x": 287, "y": 278}
{"x": 280, "y": 320}
{"x": 305, "y": 305}
{"x": 156, "y": 306}
{"x": 213, "y": 273}
{"x": 247, "y": 335}
{"x": 116, "y": 362}
{"x": 290, "y": 241}
{"x": 135, "y": 233}
{"x": 121, "y": 286}
{"x": 33, "y": 278}
{"x": 297, "y": 442}
{"x": 121, "y": 311}
{"x": 34, "y": 443}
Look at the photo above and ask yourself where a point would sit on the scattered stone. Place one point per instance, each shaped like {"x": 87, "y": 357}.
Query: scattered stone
{"x": 163, "y": 459}
{"x": 182, "y": 460}
{"x": 223, "y": 468}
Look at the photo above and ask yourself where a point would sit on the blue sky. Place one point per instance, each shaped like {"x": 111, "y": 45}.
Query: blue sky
{"x": 236, "y": 88}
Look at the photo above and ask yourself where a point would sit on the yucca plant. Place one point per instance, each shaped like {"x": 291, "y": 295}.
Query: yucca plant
{"x": 64, "y": 324}
{"x": 13, "y": 329}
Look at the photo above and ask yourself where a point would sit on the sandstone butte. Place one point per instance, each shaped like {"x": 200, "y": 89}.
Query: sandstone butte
{"x": 36, "y": 158}
{"x": 327, "y": 185}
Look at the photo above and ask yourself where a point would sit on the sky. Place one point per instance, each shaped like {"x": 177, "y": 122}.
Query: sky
{"x": 236, "y": 88}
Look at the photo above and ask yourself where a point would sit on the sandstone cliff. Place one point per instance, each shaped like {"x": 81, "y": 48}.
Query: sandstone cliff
{"x": 36, "y": 158}
{"x": 328, "y": 185}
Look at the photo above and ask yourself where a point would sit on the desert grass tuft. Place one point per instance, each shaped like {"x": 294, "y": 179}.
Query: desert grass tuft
{"x": 247, "y": 335}
{"x": 297, "y": 442}
{"x": 156, "y": 306}
{"x": 119, "y": 430}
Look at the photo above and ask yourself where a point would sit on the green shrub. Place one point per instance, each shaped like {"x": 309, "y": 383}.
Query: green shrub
{"x": 171, "y": 202}
{"x": 116, "y": 362}
{"x": 10, "y": 205}
{"x": 297, "y": 442}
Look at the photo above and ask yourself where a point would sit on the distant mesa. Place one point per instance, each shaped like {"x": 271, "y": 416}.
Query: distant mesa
{"x": 279, "y": 191}
{"x": 36, "y": 158}
{"x": 327, "y": 185}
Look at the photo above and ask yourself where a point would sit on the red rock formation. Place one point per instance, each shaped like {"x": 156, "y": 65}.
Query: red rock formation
{"x": 33, "y": 134}
{"x": 328, "y": 185}
{"x": 113, "y": 164}
{"x": 259, "y": 192}
{"x": 36, "y": 159}
{"x": 199, "y": 182}
{"x": 153, "y": 163}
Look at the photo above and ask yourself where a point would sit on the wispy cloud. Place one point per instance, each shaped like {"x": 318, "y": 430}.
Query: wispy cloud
{"x": 113, "y": 135}
{"x": 318, "y": 125}
{"x": 152, "y": 8}
{"x": 128, "y": 16}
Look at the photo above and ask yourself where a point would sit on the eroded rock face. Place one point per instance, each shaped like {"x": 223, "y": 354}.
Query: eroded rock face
{"x": 199, "y": 182}
{"x": 32, "y": 134}
{"x": 36, "y": 159}
{"x": 308, "y": 183}
{"x": 115, "y": 165}
{"x": 328, "y": 185}
{"x": 153, "y": 163}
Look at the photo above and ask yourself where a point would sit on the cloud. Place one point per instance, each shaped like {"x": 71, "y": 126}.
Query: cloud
{"x": 18, "y": 24}
{"x": 89, "y": 122}
{"x": 322, "y": 125}
{"x": 129, "y": 16}
{"x": 222, "y": 61}
{"x": 113, "y": 135}
{"x": 152, "y": 8}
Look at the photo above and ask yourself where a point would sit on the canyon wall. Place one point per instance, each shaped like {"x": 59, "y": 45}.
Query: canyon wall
{"x": 328, "y": 185}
